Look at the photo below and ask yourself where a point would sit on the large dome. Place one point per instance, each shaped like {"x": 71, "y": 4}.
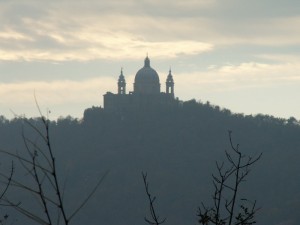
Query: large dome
{"x": 146, "y": 80}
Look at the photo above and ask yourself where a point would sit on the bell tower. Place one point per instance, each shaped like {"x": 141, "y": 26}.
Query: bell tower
{"x": 170, "y": 84}
{"x": 121, "y": 84}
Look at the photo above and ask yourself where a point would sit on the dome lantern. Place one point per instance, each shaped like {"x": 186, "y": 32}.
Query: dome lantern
{"x": 147, "y": 62}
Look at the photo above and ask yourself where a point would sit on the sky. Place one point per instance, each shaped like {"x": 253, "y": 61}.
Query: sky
{"x": 239, "y": 54}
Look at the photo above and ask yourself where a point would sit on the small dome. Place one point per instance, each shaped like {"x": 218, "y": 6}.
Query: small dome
{"x": 146, "y": 80}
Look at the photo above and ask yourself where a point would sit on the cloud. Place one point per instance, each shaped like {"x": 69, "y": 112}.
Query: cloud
{"x": 55, "y": 92}
{"x": 247, "y": 75}
{"x": 57, "y": 35}
{"x": 62, "y": 97}
{"x": 280, "y": 58}
{"x": 51, "y": 40}
{"x": 122, "y": 29}
{"x": 113, "y": 48}
{"x": 10, "y": 34}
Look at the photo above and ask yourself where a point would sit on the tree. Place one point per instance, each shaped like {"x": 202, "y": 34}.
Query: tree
{"x": 228, "y": 208}
{"x": 44, "y": 184}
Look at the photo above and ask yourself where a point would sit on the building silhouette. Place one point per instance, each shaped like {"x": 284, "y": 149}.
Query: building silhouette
{"x": 146, "y": 92}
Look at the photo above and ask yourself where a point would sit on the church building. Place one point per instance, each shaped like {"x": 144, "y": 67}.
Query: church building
{"x": 146, "y": 91}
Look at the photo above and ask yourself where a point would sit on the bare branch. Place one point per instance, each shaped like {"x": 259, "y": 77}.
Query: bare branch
{"x": 9, "y": 180}
{"x": 89, "y": 196}
{"x": 155, "y": 219}
{"x": 40, "y": 164}
{"x": 227, "y": 183}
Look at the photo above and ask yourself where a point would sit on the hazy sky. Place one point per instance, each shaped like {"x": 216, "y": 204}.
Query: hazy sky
{"x": 239, "y": 54}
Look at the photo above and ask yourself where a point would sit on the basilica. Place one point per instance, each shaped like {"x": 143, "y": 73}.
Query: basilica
{"x": 146, "y": 92}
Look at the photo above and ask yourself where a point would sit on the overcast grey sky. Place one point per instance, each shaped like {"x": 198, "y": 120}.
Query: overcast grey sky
{"x": 239, "y": 54}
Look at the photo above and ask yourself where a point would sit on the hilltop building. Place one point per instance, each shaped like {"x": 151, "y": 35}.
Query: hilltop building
{"x": 146, "y": 91}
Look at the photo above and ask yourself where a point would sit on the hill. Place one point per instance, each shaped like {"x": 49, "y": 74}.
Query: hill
{"x": 178, "y": 148}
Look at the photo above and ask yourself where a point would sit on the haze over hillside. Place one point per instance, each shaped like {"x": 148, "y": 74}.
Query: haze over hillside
{"x": 178, "y": 148}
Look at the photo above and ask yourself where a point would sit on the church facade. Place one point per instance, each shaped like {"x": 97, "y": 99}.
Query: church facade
{"x": 146, "y": 91}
